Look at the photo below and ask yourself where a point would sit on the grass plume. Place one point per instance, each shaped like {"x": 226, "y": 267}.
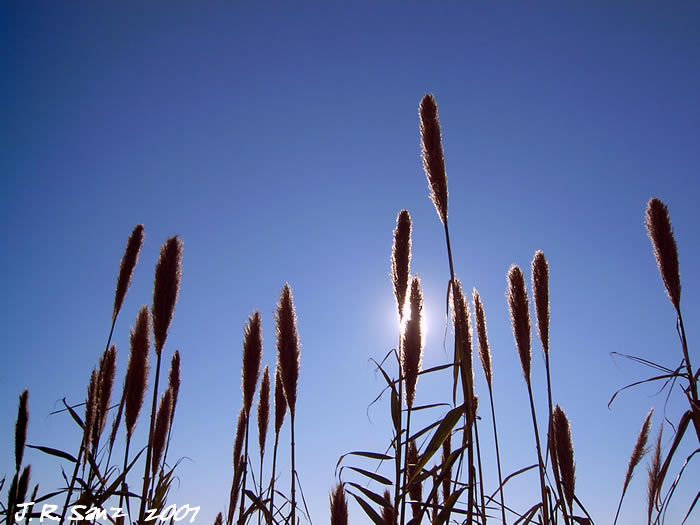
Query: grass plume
{"x": 107, "y": 370}
{"x": 166, "y": 288}
{"x": 433, "y": 158}
{"x": 90, "y": 413}
{"x": 136, "y": 381}
{"x": 21, "y": 428}
{"x": 252, "y": 356}
{"x": 540, "y": 296}
{"x": 658, "y": 224}
{"x": 415, "y": 489}
{"x": 654, "y": 481}
{"x": 401, "y": 259}
{"x": 163, "y": 418}
{"x": 263, "y": 410}
{"x": 482, "y": 337}
{"x": 638, "y": 453}
{"x": 339, "y": 506}
{"x": 520, "y": 317}
{"x": 288, "y": 352}
{"x": 564, "y": 450}
{"x": 412, "y": 347}
{"x": 126, "y": 268}
{"x": 263, "y": 421}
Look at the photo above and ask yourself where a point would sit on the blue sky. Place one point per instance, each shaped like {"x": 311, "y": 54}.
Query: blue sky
{"x": 280, "y": 143}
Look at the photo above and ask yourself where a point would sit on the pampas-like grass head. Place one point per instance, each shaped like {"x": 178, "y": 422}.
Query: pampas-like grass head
{"x": 482, "y": 335}
{"x": 658, "y": 223}
{"x": 238, "y": 441}
{"x": 126, "y": 268}
{"x": 401, "y": 258}
{"x": 163, "y": 418}
{"x": 174, "y": 378}
{"x": 540, "y": 295}
{"x": 654, "y": 482}
{"x": 280, "y": 401}
{"x": 165, "y": 289}
{"x": 137, "y": 370}
{"x": 90, "y": 412}
{"x": 23, "y": 484}
{"x": 288, "y": 348}
{"x": 263, "y": 410}
{"x": 639, "y": 449}
{"x": 389, "y": 514}
{"x": 433, "y": 159}
{"x": 415, "y": 489}
{"x": 412, "y": 346}
{"x": 447, "y": 481}
{"x": 463, "y": 329}
{"x": 252, "y": 355}
{"x": 564, "y": 449}
{"x": 339, "y": 506}
{"x": 21, "y": 428}
{"x": 107, "y": 370}
{"x": 520, "y": 317}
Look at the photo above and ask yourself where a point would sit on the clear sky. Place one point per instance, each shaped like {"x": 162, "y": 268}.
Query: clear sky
{"x": 280, "y": 142}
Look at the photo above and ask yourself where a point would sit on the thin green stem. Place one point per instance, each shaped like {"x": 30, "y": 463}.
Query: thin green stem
{"x": 405, "y": 467}
{"x": 498, "y": 457}
{"x": 545, "y": 508}
{"x": 245, "y": 472}
{"x": 294, "y": 501}
{"x": 398, "y": 431}
{"x": 272, "y": 480}
{"x": 144, "y": 490}
{"x": 481, "y": 475}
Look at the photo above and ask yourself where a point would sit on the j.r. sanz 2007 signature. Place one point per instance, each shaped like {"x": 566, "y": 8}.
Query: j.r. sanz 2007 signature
{"x": 82, "y": 512}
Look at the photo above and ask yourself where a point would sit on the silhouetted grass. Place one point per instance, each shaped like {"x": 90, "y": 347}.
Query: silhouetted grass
{"x": 435, "y": 471}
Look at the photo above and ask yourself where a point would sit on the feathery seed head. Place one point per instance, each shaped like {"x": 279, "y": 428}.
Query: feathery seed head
{"x": 540, "y": 295}
{"x": 639, "y": 449}
{"x": 90, "y": 412}
{"x": 433, "y": 159}
{"x": 137, "y": 370}
{"x": 389, "y": 514}
{"x": 415, "y": 489}
{"x": 252, "y": 355}
{"x": 463, "y": 329}
{"x": 401, "y": 258}
{"x": 447, "y": 481}
{"x": 126, "y": 268}
{"x": 107, "y": 370}
{"x": 654, "y": 482}
{"x": 412, "y": 345}
{"x": 520, "y": 316}
{"x": 482, "y": 335}
{"x": 219, "y": 520}
{"x": 238, "y": 441}
{"x": 288, "y": 348}
{"x": 280, "y": 401}
{"x": 165, "y": 289}
{"x": 263, "y": 410}
{"x": 23, "y": 484}
{"x": 163, "y": 419}
{"x": 339, "y": 506}
{"x": 564, "y": 449}
{"x": 658, "y": 223}
{"x": 21, "y": 427}
{"x": 174, "y": 379}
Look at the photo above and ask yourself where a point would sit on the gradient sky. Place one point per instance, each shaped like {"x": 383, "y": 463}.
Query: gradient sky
{"x": 280, "y": 143}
